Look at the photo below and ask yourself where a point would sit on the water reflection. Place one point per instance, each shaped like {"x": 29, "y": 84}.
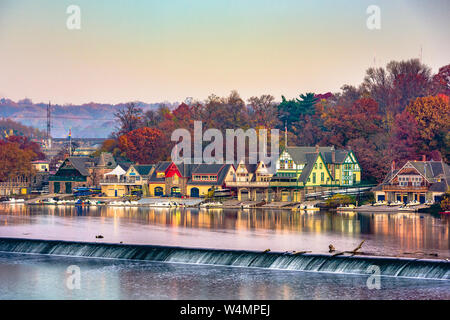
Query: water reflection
{"x": 44, "y": 277}
{"x": 245, "y": 229}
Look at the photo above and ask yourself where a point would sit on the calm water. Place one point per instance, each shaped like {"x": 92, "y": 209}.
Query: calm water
{"x": 386, "y": 234}
{"x": 46, "y": 277}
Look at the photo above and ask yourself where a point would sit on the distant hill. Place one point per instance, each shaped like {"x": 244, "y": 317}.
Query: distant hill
{"x": 90, "y": 120}
{"x": 9, "y": 127}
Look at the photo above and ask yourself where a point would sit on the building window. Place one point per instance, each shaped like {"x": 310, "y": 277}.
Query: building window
{"x": 320, "y": 165}
{"x": 160, "y": 174}
{"x": 322, "y": 177}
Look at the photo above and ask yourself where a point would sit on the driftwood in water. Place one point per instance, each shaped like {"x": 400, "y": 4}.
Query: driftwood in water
{"x": 300, "y": 252}
{"x": 353, "y": 252}
{"x": 267, "y": 250}
{"x": 357, "y": 248}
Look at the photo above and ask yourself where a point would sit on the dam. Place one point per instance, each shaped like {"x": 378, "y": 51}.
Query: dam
{"x": 322, "y": 263}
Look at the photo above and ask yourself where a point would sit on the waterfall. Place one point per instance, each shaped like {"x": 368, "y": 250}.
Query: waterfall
{"x": 397, "y": 267}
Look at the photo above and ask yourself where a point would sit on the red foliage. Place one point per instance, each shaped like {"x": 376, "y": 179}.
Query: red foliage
{"x": 26, "y": 144}
{"x": 144, "y": 145}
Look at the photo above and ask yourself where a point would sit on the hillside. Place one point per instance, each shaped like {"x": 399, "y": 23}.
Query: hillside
{"x": 91, "y": 120}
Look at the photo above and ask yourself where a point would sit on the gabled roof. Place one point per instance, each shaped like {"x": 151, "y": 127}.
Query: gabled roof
{"x": 207, "y": 168}
{"x": 186, "y": 169}
{"x": 437, "y": 173}
{"x": 106, "y": 159}
{"x": 386, "y": 180}
{"x": 299, "y": 154}
{"x": 125, "y": 164}
{"x": 80, "y": 163}
{"x": 161, "y": 166}
{"x": 311, "y": 160}
{"x": 118, "y": 171}
{"x": 432, "y": 171}
{"x": 143, "y": 169}
{"x": 221, "y": 175}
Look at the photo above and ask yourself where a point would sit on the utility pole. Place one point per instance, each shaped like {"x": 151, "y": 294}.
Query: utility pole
{"x": 285, "y": 134}
{"x": 49, "y": 125}
{"x": 70, "y": 142}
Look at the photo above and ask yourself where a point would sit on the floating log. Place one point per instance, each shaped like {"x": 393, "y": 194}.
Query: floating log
{"x": 300, "y": 252}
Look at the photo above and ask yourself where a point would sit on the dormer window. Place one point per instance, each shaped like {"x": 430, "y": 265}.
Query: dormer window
{"x": 160, "y": 174}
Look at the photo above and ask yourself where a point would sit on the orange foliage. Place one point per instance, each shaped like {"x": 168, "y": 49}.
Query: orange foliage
{"x": 14, "y": 161}
{"x": 144, "y": 145}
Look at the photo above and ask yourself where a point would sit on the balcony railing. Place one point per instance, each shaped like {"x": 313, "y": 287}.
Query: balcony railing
{"x": 67, "y": 178}
{"x": 122, "y": 180}
{"x": 14, "y": 184}
{"x": 407, "y": 188}
{"x": 249, "y": 184}
{"x": 285, "y": 184}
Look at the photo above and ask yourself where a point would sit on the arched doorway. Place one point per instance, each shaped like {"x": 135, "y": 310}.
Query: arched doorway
{"x": 159, "y": 191}
{"x": 195, "y": 193}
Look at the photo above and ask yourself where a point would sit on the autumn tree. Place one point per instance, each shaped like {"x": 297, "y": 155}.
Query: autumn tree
{"x": 441, "y": 81}
{"x": 144, "y": 145}
{"x": 129, "y": 118}
{"x": 404, "y": 143}
{"x": 264, "y": 111}
{"x": 432, "y": 115}
{"x": 15, "y": 162}
{"x": 25, "y": 143}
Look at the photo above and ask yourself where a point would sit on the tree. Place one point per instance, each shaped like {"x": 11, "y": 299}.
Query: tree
{"x": 295, "y": 110}
{"x": 129, "y": 118}
{"x": 441, "y": 81}
{"x": 15, "y": 162}
{"x": 361, "y": 120}
{"x": 264, "y": 111}
{"x": 26, "y": 144}
{"x": 144, "y": 145}
{"x": 394, "y": 87}
{"x": 432, "y": 114}
{"x": 404, "y": 144}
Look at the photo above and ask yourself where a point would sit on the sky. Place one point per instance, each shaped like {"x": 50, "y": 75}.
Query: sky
{"x": 157, "y": 50}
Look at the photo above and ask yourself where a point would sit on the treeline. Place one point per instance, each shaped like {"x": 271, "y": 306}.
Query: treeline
{"x": 9, "y": 127}
{"x": 16, "y": 154}
{"x": 397, "y": 113}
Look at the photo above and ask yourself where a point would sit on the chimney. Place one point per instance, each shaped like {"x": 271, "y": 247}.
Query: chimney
{"x": 317, "y": 148}
{"x": 333, "y": 155}
{"x": 424, "y": 158}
